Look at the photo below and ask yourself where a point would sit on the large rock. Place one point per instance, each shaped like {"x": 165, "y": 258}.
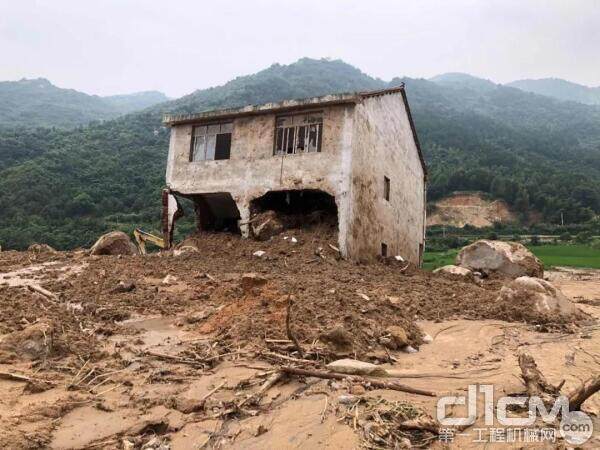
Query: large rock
{"x": 252, "y": 280}
{"x": 338, "y": 338}
{"x": 546, "y": 298}
{"x": 455, "y": 270}
{"x": 33, "y": 342}
{"x": 40, "y": 248}
{"x": 394, "y": 338}
{"x": 114, "y": 243}
{"x": 507, "y": 258}
{"x": 266, "y": 225}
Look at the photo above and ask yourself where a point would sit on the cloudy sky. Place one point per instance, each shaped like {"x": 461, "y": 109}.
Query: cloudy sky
{"x": 176, "y": 46}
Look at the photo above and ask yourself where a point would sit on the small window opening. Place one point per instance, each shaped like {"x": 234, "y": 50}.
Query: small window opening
{"x": 384, "y": 249}
{"x": 386, "y": 188}
{"x": 301, "y": 133}
{"x": 211, "y": 142}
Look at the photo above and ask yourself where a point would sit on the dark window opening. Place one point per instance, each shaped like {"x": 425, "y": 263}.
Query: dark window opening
{"x": 211, "y": 142}
{"x": 223, "y": 146}
{"x": 386, "y": 188}
{"x": 301, "y": 133}
{"x": 216, "y": 212}
{"x": 297, "y": 208}
{"x": 384, "y": 250}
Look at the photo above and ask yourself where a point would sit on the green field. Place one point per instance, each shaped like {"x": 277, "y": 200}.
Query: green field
{"x": 551, "y": 255}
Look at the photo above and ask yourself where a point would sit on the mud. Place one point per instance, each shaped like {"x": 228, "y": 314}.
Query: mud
{"x": 134, "y": 366}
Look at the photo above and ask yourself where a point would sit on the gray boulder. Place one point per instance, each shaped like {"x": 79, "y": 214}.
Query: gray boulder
{"x": 455, "y": 270}
{"x": 546, "y": 298}
{"x": 114, "y": 243}
{"x": 506, "y": 258}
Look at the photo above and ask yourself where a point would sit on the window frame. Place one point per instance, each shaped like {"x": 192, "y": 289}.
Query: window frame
{"x": 290, "y": 125}
{"x": 225, "y": 128}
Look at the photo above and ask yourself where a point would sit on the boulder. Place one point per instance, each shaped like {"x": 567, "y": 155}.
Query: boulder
{"x": 455, "y": 270}
{"x": 506, "y": 258}
{"x": 355, "y": 367}
{"x": 114, "y": 243}
{"x": 546, "y": 298}
{"x": 338, "y": 338}
{"x": 185, "y": 250}
{"x": 33, "y": 342}
{"x": 252, "y": 280}
{"x": 40, "y": 248}
{"x": 395, "y": 338}
{"x": 266, "y": 225}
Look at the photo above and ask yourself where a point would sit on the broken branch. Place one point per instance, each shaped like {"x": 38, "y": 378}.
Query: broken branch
{"x": 578, "y": 396}
{"x": 375, "y": 383}
{"x": 43, "y": 292}
{"x": 288, "y": 329}
{"x": 264, "y": 388}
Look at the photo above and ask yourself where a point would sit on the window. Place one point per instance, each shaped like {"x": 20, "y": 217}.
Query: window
{"x": 386, "y": 188}
{"x": 298, "y": 134}
{"x": 210, "y": 142}
{"x": 384, "y": 250}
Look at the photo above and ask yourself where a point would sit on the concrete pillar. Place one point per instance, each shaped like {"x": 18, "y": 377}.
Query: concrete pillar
{"x": 243, "y": 207}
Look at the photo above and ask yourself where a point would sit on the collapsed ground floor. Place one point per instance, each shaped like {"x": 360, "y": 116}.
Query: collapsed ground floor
{"x": 296, "y": 208}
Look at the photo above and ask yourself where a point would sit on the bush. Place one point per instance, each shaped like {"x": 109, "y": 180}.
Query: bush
{"x": 566, "y": 237}
{"x": 535, "y": 240}
{"x": 584, "y": 237}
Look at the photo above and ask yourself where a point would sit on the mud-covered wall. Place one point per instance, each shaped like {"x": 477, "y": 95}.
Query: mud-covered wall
{"x": 253, "y": 170}
{"x": 383, "y": 146}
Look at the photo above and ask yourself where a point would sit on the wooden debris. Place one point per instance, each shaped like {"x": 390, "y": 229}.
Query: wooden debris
{"x": 578, "y": 396}
{"x": 375, "y": 383}
{"x": 536, "y": 384}
{"x": 288, "y": 329}
{"x": 43, "y": 292}
{"x": 271, "y": 381}
{"x": 14, "y": 377}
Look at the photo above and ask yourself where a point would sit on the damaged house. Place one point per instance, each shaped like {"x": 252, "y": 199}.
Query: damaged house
{"x": 354, "y": 155}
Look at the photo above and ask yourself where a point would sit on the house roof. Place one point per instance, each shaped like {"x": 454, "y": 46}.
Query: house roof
{"x": 286, "y": 106}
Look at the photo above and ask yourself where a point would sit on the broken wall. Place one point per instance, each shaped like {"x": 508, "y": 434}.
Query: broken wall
{"x": 253, "y": 170}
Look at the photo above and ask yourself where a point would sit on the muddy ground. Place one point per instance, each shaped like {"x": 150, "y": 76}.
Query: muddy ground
{"x": 165, "y": 351}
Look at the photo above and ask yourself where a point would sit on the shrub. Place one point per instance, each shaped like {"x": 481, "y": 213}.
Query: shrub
{"x": 566, "y": 237}
{"x": 584, "y": 237}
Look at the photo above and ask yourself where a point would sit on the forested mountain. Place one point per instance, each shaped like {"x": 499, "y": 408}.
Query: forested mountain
{"x": 127, "y": 103}
{"x": 65, "y": 187}
{"x": 37, "y": 102}
{"x": 560, "y": 89}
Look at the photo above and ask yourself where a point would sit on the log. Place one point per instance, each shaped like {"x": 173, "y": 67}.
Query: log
{"x": 392, "y": 385}
{"x": 535, "y": 382}
{"x": 578, "y": 396}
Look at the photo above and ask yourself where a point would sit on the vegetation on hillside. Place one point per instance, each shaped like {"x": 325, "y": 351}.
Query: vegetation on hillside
{"x": 38, "y": 103}
{"x": 67, "y": 187}
{"x": 560, "y": 89}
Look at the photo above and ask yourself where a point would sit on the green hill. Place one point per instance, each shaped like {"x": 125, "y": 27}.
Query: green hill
{"x": 38, "y": 103}
{"x": 560, "y": 89}
{"x": 65, "y": 187}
